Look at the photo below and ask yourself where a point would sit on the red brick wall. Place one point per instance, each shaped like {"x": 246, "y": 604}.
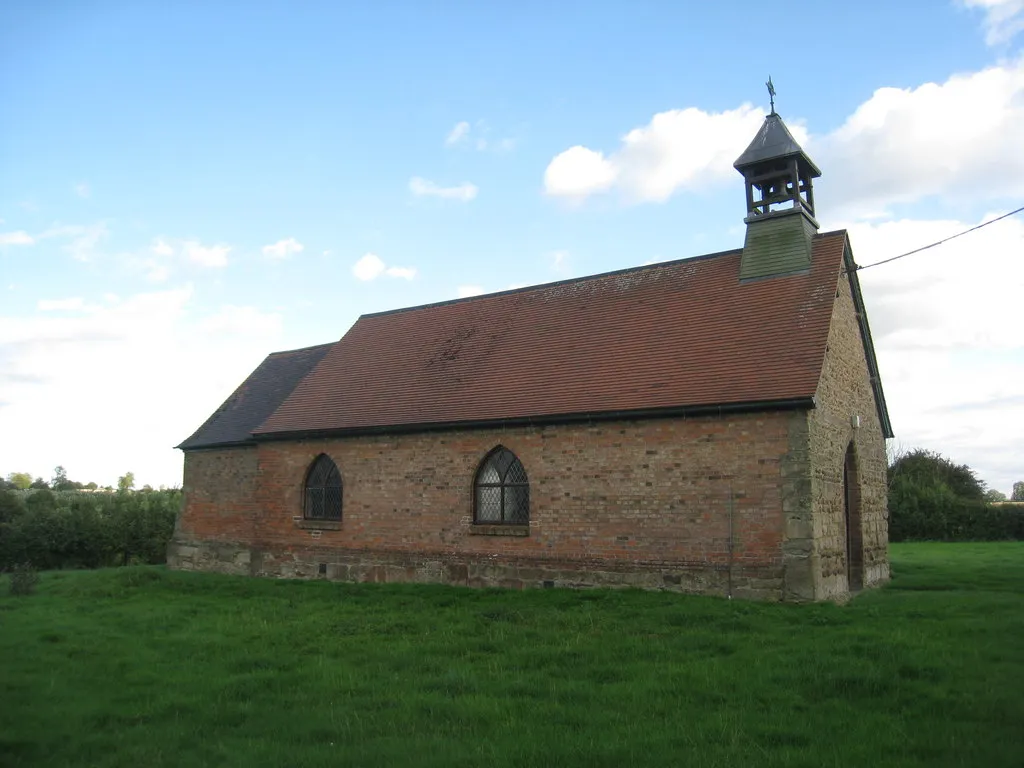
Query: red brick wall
{"x": 634, "y": 502}
{"x": 219, "y": 494}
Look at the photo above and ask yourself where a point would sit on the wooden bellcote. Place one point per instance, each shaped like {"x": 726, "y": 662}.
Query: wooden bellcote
{"x": 780, "y": 202}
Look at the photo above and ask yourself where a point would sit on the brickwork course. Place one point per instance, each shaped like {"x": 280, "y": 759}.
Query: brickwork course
{"x": 681, "y": 428}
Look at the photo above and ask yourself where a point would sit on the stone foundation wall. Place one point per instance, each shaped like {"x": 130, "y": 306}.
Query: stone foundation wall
{"x": 470, "y": 571}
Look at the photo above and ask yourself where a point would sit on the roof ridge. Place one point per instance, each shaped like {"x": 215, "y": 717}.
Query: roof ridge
{"x": 567, "y": 281}
{"x": 302, "y": 349}
{"x": 832, "y": 232}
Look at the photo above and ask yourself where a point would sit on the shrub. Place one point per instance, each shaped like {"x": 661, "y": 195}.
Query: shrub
{"x": 82, "y": 530}
{"x": 11, "y": 506}
{"x": 24, "y": 579}
{"x": 923, "y": 507}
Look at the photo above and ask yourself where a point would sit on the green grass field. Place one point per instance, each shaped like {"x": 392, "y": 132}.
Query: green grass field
{"x": 145, "y": 667}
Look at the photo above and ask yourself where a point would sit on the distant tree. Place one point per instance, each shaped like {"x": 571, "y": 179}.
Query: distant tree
{"x": 20, "y": 480}
{"x": 994, "y": 496}
{"x": 60, "y": 480}
{"x": 1018, "y": 491}
{"x": 933, "y": 498}
{"x": 41, "y": 500}
{"x": 147, "y": 488}
{"x": 91, "y": 486}
{"x": 126, "y": 481}
{"x": 40, "y": 484}
{"x": 929, "y": 469}
{"x": 11, "y": 506}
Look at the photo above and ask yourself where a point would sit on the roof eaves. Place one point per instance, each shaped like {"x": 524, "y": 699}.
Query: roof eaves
{"x": 251, "y": 443}
{"x": 712, "y": 409}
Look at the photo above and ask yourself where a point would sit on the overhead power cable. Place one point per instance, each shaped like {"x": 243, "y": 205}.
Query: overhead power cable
{"x": 944, "y": 240}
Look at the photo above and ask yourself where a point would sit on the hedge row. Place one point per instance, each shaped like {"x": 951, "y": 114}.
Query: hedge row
{"x": 85, "y": 530}
{"x": 93, "y": 530}
{"x": 935, "y": 514}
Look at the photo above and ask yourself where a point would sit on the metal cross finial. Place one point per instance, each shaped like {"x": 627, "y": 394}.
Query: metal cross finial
{"x": 771, "y": 92}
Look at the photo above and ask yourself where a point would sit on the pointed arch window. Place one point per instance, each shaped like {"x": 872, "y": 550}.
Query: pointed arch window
{"x": 322, "y": 490}
{"x": 501, "y": 490}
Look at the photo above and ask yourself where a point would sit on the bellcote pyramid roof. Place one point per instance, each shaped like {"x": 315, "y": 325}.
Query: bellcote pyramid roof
{"x": 773, "y": 142}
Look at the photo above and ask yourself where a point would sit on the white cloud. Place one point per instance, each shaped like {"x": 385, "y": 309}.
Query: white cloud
{"x": 161, "y": 248}
{"x": 560, "y": 262}
{"x": 206, "y": 256}
{"x": 465, "y": 291}
{"x": 236, "y": 320}
{"x": 82, "y": 190}
{"x": 155, "y": 271}
{"x": 946, "y": 329}
{"x": 480, "y": 140}
{"x": 901, "y": 145}
{"x": 105, "y": 371}
{"x": 282, "y": 249}
{"x": 961, "y": 136}
{"x": 457, "y": 134}
{"x": 959, "y": 295}
{"x": 406, "y": 273}
{"x": 425, "y": 188}
{"x": 371, "y": 266}
{"x": 155, "y": 262}
{"x": 83, "y": 239}
{"x": 59, "y": 305}
{"x": 676, "y": 149}
{"x": 578, "y": 172}
{"x": 20, "y": 237}
{"x": 1004, "y": 19}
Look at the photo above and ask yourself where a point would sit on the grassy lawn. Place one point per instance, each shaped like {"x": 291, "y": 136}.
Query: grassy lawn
{"x": 146, "y": 667}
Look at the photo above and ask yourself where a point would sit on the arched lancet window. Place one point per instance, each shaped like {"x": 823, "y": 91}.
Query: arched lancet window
{"x": 322, "y": 490}
{"x": 501, "y": 490}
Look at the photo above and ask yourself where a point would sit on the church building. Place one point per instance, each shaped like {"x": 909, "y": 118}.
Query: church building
{"x": 713, "y": 425}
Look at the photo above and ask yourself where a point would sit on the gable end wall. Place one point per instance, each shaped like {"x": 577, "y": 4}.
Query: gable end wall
{"x": 845, "y": 392}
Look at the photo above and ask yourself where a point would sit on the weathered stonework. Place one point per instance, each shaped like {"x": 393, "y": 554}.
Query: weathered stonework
{"x": 846, "y": 415}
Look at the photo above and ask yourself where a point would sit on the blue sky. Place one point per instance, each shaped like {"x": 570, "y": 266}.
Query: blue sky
{"x": 186, "y": 187}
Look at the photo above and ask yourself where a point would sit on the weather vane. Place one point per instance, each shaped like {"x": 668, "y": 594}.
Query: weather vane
{"x": 771, "y": 92}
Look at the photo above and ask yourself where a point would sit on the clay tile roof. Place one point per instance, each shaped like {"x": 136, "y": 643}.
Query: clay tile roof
{"x": 668, "y": 336}
{"x": 256, "y": 398}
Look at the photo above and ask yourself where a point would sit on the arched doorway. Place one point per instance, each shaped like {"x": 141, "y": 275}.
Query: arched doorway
{"x": 854, "y": 533}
